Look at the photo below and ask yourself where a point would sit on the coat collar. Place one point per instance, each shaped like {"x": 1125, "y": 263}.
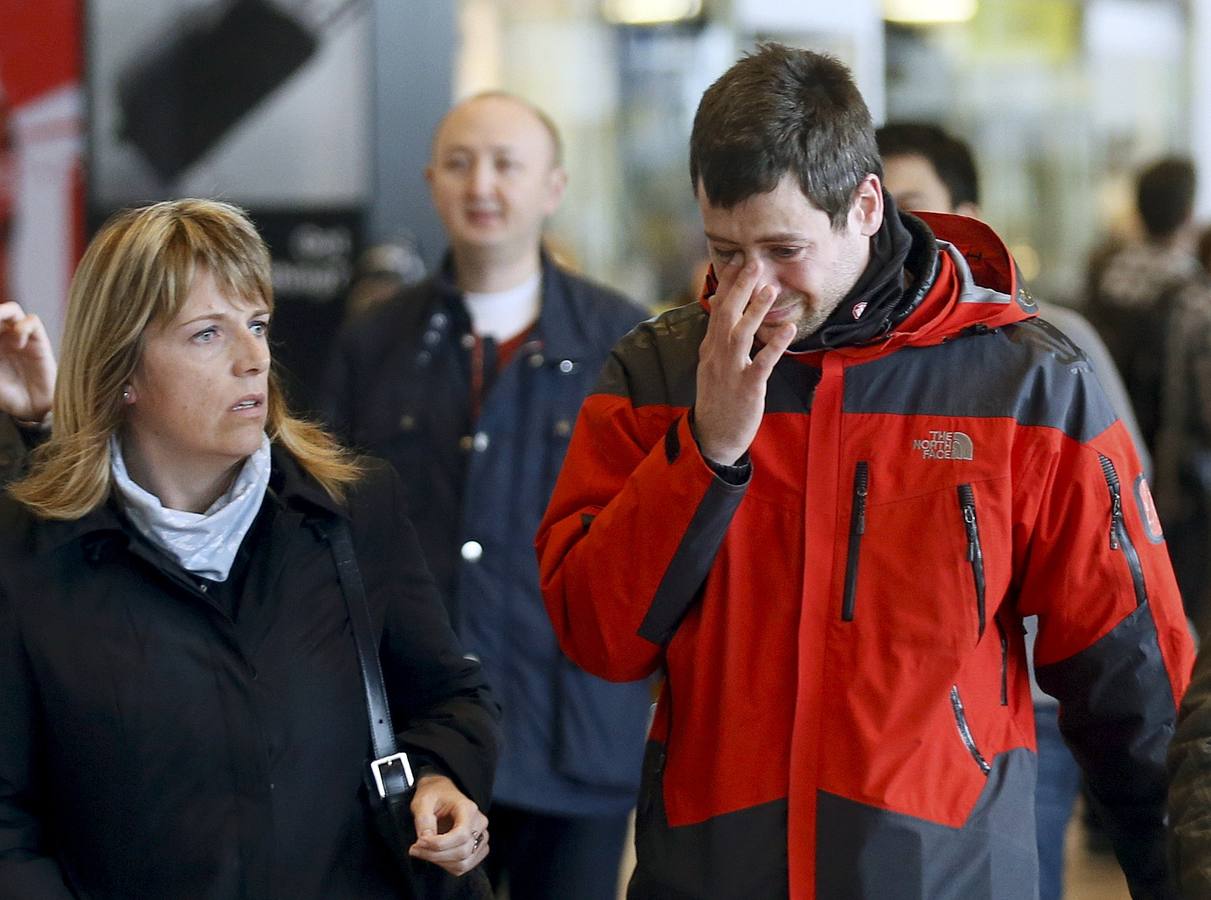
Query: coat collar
{"x": 289, "y": 486}
{"x": 559, "y": 333}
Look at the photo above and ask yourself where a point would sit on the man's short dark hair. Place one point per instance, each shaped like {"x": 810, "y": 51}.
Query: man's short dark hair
{"x": 778, "y": 111}
{"x": 1164, "y": 195}
{"x": 950, "y": 157}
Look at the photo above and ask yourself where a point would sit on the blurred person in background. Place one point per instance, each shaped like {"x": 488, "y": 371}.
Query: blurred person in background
{"x": 925, "y": 168}
{"x": 1151, "y": 301}
{"x": 380, "y": 272}
{"x": 183, "y": 705}
{"x": 1204, "y": 249}
{"x": 469, "y": 383}
{"x": 821, "y": 501}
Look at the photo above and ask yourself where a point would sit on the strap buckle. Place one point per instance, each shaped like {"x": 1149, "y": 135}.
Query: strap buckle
{"x": 376, "y": 769}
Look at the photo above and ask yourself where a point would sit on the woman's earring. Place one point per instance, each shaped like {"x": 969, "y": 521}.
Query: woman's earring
{"x": 126, "y": 395}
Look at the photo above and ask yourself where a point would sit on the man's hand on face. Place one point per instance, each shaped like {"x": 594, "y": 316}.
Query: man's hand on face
{"x": 731, "y": 378}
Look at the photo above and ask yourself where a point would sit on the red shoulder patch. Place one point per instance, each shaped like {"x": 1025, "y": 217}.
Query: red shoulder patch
{"x": 1147, "y": 508}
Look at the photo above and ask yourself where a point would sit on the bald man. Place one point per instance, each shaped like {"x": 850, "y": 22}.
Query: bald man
{"x": 470, "y": 383}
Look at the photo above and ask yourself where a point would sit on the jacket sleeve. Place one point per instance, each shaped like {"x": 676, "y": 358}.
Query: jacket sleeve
{"x": 1113, "y": 646}
{"x": 631, "y": 531}
{"x": 26, "y": 866}
{"x": 442, "y": 709}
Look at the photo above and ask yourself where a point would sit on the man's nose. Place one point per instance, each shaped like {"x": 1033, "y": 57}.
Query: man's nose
{"x": 481, "y": 177}
{"x": 765, "y": 272}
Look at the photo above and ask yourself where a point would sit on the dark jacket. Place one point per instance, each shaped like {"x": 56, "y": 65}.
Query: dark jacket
{"x": 1190, "y": 787}
{"x": 16, "y": 445}
{"x": 400, "y": 389}
{"x": 1153, "y": 305}
{"x": 12, "y": 450}
{"x": 150, "y": 746}
{"x": 846, "y": 707}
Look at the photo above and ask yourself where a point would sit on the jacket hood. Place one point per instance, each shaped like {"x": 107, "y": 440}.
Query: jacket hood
{"x": 975, "y": 283}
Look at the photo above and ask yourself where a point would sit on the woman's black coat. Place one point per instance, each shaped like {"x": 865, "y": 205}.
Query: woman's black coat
{"x": 150, "y": 746}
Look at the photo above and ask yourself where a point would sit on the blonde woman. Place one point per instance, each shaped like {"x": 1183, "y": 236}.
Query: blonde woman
{"x": 182, "y": 711}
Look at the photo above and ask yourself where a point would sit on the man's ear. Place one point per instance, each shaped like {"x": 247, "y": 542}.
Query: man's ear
{"x": 866, "y": 212}
{"x": 971, "y": 210}
{"x": 557, "y": 184}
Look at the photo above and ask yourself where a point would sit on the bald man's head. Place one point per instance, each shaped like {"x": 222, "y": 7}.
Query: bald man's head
{"x": 525, "y": 106}
{"x": 495, "y": 174}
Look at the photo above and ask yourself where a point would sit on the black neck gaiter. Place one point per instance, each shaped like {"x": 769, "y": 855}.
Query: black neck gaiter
{"x": 879, "y": 301}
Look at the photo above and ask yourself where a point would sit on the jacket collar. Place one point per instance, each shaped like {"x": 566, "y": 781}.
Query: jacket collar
{"x": 963, "y": 277}
{"x": 559, "y": 333}
{"x": 289, "y": 486}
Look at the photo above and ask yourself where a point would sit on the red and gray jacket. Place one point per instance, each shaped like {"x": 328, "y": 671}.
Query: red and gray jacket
{"x": 846, "y": 709}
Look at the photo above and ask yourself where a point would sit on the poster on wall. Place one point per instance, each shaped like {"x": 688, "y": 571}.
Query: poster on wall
{"x": 41, "y": 183}
{"x": 262, "y": 103}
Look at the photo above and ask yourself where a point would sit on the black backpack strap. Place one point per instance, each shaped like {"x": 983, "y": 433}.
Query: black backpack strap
{"x": 390, "y": 768}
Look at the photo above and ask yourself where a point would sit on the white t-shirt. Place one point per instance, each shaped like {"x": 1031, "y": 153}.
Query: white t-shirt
{"x": 501, "y": 315}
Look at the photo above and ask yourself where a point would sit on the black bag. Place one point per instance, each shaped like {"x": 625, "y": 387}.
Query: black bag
{"x": 388, "y": 776}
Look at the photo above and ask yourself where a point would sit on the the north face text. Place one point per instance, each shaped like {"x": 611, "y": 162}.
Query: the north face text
{"x": 945, "y": 445}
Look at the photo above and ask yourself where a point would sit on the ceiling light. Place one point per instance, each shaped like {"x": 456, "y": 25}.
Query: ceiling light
{"x": 649, "y": 12}
{"x": 928, "y": 12}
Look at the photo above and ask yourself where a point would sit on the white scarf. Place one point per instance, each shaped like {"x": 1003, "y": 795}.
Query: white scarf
{"x": 203, "y": 543}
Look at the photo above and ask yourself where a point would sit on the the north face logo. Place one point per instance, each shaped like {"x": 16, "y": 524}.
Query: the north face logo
{"x": 945, "y": 445}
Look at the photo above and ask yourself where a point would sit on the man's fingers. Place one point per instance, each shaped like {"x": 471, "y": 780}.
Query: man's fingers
{"x": 729, "y": 305}
{"x": 746, "y": 329}
{"x": 725, "y": 277}
{"x": 768, "y": 356}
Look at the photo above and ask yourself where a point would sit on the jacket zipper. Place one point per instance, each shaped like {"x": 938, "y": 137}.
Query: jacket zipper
{"x": 662, "y": 754}
{"x": 975, "y": 553}
{"x": 857, "y": 528}
{"x": 975, "y": 556}
{"x": 965, "y": 731}
{"x": 1004, "y": 661}
{"x": 1119, "y": 538}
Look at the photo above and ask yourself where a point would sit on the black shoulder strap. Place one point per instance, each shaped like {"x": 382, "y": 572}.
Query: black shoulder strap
{"x": 382, "y": 735}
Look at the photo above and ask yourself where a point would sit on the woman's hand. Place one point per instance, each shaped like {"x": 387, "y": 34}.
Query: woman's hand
{"x": 452, "y": 832}
{"x": 27, "y": 366}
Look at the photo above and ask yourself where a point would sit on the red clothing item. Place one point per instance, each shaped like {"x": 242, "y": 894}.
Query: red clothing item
{"x": 39, "y": 47}
{"x": 846, "y": 680}
{"x": 505, "y": 351}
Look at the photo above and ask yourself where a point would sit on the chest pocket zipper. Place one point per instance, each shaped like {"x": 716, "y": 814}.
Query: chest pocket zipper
{"x": 857, "y": 528}
{"x": 1119, "y": 538}
{"x": 975, "y": 556}
{"x": 975, "y": 553}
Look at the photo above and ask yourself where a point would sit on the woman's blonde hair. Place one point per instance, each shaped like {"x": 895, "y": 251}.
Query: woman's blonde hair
{"x": 137, "y": 272}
